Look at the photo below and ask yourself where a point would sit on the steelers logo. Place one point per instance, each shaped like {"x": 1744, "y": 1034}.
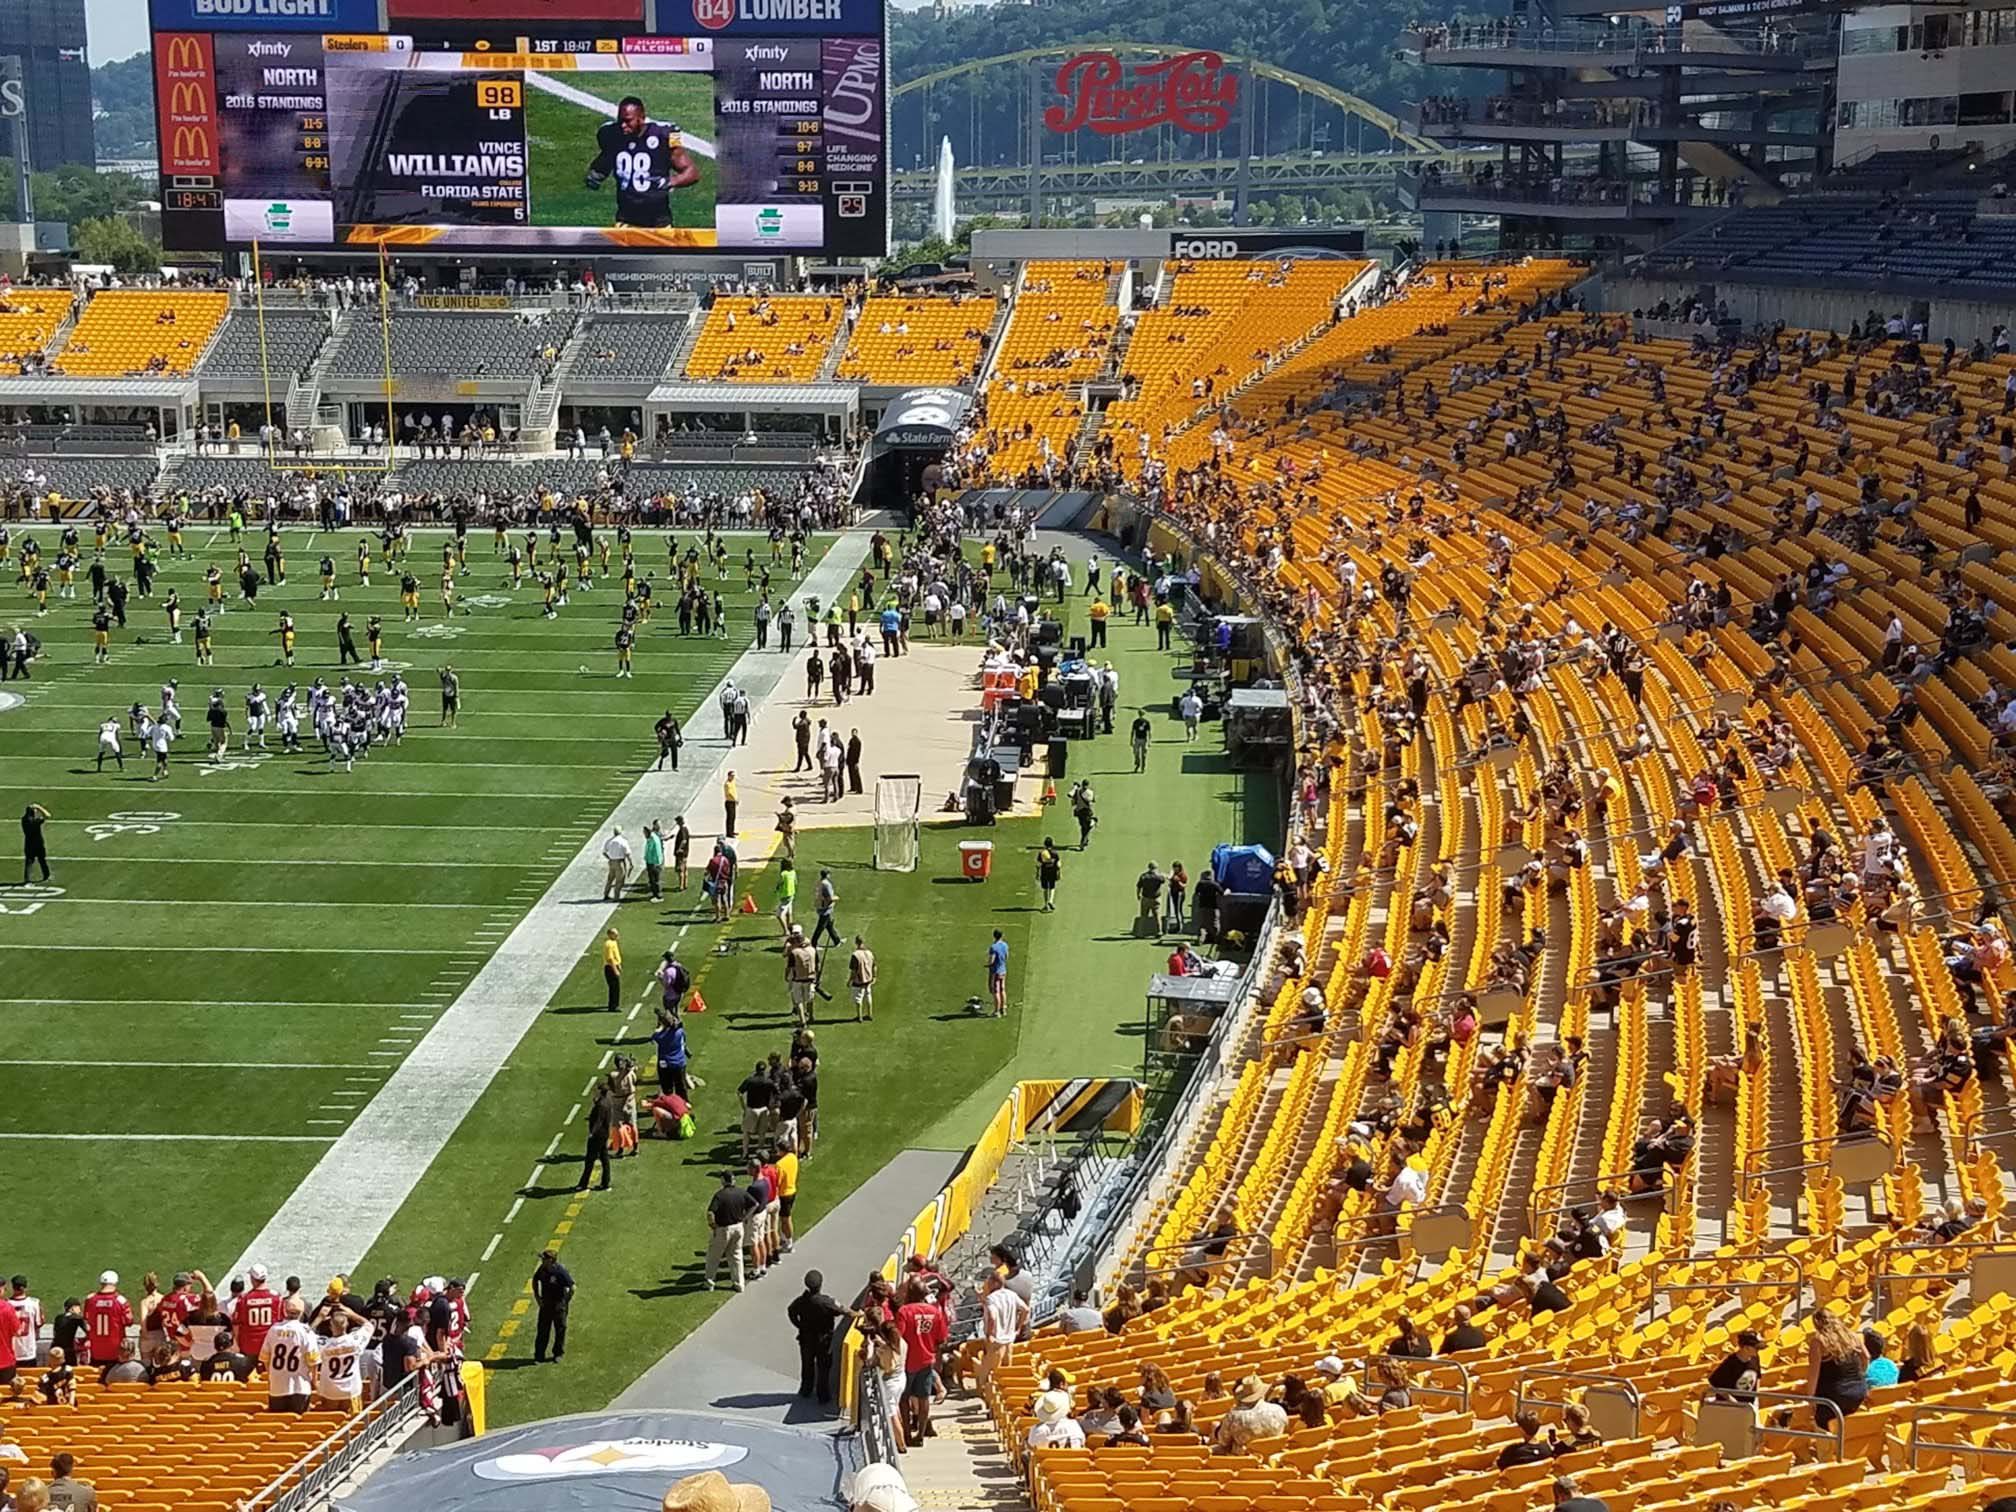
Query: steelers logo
{"x": 651, "y": 142}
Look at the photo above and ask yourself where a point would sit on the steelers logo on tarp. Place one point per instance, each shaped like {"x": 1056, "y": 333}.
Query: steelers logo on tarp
{"x": 670, "y": 1457}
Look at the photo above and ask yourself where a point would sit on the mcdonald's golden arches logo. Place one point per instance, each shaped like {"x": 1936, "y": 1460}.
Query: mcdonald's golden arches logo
{"x": 186, "y": 53}
{"x": 192, "y": 144}
{"x": 188, "y": 99}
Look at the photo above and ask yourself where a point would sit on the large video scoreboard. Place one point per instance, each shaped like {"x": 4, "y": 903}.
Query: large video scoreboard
{"x": 524, "y": 126}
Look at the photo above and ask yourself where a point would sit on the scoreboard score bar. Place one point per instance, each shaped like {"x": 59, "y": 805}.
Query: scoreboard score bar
{"x": 469, "y": 134}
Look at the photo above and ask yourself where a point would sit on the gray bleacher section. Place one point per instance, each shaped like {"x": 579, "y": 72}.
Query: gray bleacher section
{"x": 75, "y": 477}
{"x": 292, "y": 338}
{"x": 431, "y": 344}
{"x": 649, "y": 478}
{"x": 453, "y": 476}
{"x": 636, "y": 348}
{"x": 254, "y": 475}
{"x": 1935, "y": 240}
{"x": 1898, "y": 168}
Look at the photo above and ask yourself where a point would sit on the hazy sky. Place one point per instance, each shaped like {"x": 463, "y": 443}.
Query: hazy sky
{"x": 118, "y": 28}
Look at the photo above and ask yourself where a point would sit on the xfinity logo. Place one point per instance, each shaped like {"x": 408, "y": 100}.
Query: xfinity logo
{"x": 1220, "y": 247}
{"x": 269, "y": 49}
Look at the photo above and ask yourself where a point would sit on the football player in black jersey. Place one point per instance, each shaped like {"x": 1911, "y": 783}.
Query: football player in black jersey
{"x": 648, "y": 162}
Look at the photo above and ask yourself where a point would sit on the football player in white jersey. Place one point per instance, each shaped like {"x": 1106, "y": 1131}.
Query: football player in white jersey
{"x": 108, "y": 743}
{"x": 255, "y": 716}
{"x": 158, "y": 739}
{"x": 289, "y": 716}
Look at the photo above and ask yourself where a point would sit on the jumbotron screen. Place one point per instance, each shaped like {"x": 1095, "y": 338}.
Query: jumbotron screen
{"x": 524, "y": 126}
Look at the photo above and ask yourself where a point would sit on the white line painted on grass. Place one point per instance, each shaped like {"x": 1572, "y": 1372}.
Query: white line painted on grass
{"x": 332, "y": 1219}
{"x": 157, "y": 947}
{"x": 400, "y": 906}
{"x": 490, "y": 1249}
{"x": 324, "y": 1139}
{"x": 516, "y": 1204}
{"x": 178, "y": 1065}
{"x": 128, "y": 859}
{"x": 185, "y": 1003}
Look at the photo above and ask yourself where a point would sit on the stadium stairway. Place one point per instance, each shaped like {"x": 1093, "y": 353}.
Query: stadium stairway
{"x": 963, "y": 1469}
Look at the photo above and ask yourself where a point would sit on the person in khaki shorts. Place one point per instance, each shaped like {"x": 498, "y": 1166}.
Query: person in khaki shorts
{"x": 861, "y": 980}
{"x": 801, "y": 971}
{"x": 1003, "y": 1314}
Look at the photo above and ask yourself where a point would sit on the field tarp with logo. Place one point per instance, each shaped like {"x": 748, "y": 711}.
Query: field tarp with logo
{"x": 607, "y": 1462}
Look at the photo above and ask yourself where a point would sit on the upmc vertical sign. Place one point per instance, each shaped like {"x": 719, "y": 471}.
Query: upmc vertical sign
{"x": 185, "y": 97}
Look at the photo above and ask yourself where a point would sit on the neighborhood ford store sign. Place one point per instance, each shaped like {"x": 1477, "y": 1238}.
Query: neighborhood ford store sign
{"x": 922, "y": 419}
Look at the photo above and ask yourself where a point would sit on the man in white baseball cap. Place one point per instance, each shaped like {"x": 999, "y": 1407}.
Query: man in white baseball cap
{"x": 879, "y": 1488}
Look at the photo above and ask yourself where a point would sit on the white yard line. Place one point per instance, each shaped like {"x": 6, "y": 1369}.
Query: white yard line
{"x": 163, "y": 947}
{"x": 192, "y": 1003}
{"x": 185, "y": 1138}
{"x": 227, "y": 903}
{"x": 151, "y": 1065}
{"x": 333, "y": 1218}
{"x": 128, "y": 859}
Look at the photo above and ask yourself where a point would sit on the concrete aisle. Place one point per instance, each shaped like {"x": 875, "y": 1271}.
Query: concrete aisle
{"x": 744, "y": 1358}
{"x": 963, "y": 1468}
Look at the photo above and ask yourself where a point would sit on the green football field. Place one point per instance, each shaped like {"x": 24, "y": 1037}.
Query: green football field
{"x": 239, "y": 954}
{"x": 214, "y": 996}
{"x": 560, "y": 143}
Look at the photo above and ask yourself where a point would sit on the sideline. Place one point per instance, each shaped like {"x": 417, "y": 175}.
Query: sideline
{"x": 345, "y": 1202}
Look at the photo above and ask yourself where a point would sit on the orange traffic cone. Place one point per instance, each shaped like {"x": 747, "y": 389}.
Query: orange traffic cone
{"x": 748, "y": 904}
{"x": 696, "y": 1003}
{"x": 1049, "y": 790}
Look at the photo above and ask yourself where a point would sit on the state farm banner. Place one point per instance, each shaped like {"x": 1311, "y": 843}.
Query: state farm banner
{"x": 1192, "y": 91}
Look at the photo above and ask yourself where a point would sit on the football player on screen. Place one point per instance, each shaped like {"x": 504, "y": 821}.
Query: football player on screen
{"x": 648, "y": 162}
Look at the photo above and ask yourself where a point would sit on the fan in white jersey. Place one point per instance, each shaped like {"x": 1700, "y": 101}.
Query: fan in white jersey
{"x": 289, "y": 1356}
{"x": 346, "y": 1344}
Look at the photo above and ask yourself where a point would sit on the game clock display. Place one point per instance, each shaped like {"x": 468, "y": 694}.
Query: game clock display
{"x": 487, "y": 141}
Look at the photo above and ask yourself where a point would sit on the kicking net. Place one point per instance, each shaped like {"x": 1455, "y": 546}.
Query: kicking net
{"x": 897, "y": 801}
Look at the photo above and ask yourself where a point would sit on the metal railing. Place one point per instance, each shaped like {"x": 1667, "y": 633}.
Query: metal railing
{"x": 1796, "y": 1280}
{"x": 1973, "y": 1248}
{"x": 318, "y": 1473}
{"x": 1751, "y": 1175}
{"x": 1163, "y": 1160}
{"x": 1836, "y": 1433}
{"x": 1523, "y": 1397}
{"x": 1414, "y": 1366}
{"x": 871, "y": 1414}
{"x": 1914, "y": 1439}
{"x": 1539, "y": 1206}
{"x": 1193, "y": 1254}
